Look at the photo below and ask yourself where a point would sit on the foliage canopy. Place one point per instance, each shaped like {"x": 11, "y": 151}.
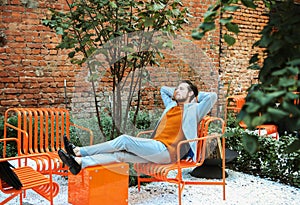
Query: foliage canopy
{"x": 275, "y": 99}
{"x": 104, "y": 28}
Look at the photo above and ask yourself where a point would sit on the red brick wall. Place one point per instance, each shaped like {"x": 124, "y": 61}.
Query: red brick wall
{"x": 235, "y": 59}
{"x": 32, "y": 70}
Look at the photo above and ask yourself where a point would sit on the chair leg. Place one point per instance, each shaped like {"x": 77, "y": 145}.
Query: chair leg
{"x": 179, "y": 195}
{"x": 180, "y": 189}
{"x": 9, "y": 198}
{"x": 21, "y": 198}
{"x": 138, "y": 180}
{"x": 139, "y": 183}
{"x": 223, "y": 168}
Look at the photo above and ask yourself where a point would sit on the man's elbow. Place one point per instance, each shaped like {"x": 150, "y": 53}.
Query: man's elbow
{"x": 214, "y": 97}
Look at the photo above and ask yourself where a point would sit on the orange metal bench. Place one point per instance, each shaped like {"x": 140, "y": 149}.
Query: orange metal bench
{"x": 159, "y": 172}
{"x": 235, "y": 103}
{"x": 41, "y": 130}
{"x": 30, "y": 178}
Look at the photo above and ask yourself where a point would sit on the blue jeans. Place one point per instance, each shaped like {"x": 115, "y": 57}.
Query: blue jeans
{"x": 125, "y": 148}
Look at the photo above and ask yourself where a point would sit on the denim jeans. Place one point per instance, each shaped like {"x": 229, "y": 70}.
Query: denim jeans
{"x": 125, "y": 148}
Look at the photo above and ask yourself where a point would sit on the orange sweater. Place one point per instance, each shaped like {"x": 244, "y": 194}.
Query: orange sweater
{"x": 169, "y": 130}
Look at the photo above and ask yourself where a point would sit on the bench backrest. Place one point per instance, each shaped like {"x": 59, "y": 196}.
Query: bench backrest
{"x": 39, "y": 129}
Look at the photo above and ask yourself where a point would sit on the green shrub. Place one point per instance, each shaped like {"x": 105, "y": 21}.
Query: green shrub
{"x": 271, "y": 160}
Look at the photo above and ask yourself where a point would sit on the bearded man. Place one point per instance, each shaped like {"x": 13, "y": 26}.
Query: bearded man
{"x": 185, "y": 108}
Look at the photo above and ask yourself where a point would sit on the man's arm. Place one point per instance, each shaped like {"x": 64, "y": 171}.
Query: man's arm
{"x": 167, "y": 94}
{"x": 206, "y": 101}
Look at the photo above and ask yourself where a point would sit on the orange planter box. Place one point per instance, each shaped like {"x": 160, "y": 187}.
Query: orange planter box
{"x": 105, "y": 185}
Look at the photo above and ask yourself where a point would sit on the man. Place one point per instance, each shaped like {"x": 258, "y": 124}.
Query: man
{"x": 184, "y": 110}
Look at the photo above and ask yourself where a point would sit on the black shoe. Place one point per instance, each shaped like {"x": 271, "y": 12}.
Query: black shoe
{"x": 74, "y": 167}
{"x": 69, "y": 147}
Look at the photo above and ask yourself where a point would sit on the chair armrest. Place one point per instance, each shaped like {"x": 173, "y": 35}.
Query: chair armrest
{"x": 10, "y": 139}
{"x": 144, "y": 132}
{"x": 29, "y": 156}
{"x": 180, "y": 144}
{"x": 25, "y": 135}
{"x": 85, "y": 129}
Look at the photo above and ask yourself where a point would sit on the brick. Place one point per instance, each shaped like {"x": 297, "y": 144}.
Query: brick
{"x": 9, "y": 103}
{"x": 31, "y": 21}
{"x": 53, "y": 52}
{"x": 34, "y": 45}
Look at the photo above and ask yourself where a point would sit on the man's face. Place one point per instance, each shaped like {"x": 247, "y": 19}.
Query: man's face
{"x": 182, "y": 93}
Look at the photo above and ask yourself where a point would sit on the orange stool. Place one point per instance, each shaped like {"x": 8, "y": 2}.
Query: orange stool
{"x": 105, "y": 185}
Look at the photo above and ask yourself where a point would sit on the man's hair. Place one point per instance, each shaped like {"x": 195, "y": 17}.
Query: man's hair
{"x": 192, "y": 87}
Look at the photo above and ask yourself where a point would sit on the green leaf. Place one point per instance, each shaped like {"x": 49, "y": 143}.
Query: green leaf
{"x": 176, "y": 12}
{"x": 158, "y": 7}
{"x": 277, "y": 113}
{"x": 93, "y": 77}
{"x": 197, "y": 35}
{"x": 209, "y": 15}
{"x": 229, "y": 39}
{"x": 276, "y": 45}
{"x": 258, "y": 120}
{"x": 254, "y": 58}
{"x": 71, "y": 54}
{"x": 113, "y": 5}
{"x": 46, "y": 22}
{"x": 232, "y": 27}
{"x": 276, "y": 94}
{"x": 171, "y": 22}
{"x": 291, "y": 108}
{"x": 279, "y": 72}
{"x": 249, "y": 3}
{"x": 286, "y": 82}
{"x": 76, "y": 61}
{"x": 148, "y": 22}
{"x": 295, "y": 62}
{"x": 231, "y": 8}
{"x": 252, "y": 107}
{"x": 293, "y": 70}
{"x": 207, "y": 26}
{"x": 59, "y": 31}
{"x": 250, "y": 143}
{"x": 294, "y": 146}
{"x": 254, "y": 66}
{"x": 168, "y": 44}
{"x": 224, "y": 21}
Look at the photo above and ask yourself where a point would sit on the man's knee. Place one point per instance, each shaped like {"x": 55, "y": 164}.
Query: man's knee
{"x": 120, "y": 142}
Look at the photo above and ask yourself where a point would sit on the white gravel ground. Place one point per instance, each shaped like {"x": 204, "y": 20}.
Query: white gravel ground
{"x": 241, "y": 189}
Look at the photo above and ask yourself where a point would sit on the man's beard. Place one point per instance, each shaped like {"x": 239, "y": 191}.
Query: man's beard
{"x": 182, "y": 99}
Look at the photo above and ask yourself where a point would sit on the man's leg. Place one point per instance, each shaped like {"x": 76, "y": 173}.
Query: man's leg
{"x": 115, "y": 157}
{"x": 125, "y": 149}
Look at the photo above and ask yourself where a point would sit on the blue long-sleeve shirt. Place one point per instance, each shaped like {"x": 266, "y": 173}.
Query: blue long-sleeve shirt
{"x": 192, "y": 112}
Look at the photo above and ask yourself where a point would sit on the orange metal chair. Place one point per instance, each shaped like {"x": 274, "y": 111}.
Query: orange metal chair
{"x": 235, "y": 103}
{"x": 41, "y": 130}
{"x": 159, "y": 172}
{"x": 30, "y": 178}
{"x": 297, "y": 100}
